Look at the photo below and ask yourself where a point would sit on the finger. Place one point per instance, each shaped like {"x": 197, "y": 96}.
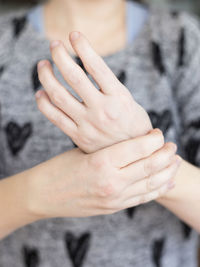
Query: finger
{"x": 159, "y": 160}
{"x": 58, "y": 94}
{"x": 74, "y": 75}
{"x": 137, "y": 200}
{"x": 56, "y": 116}
{"x": 94, "y": 64}
{"x": 129, "y": 151}
{"x": 152, "y": 183}
{"x": 158, "y": 179}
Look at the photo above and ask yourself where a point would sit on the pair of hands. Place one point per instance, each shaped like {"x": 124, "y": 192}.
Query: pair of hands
{"x": 126, "y": 164}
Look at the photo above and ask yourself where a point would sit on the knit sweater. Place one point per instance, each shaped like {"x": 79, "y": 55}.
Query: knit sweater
{"x": 161, "y": 68}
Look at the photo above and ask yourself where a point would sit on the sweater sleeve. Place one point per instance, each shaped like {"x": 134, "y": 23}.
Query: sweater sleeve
{"x": 186, "y": 88}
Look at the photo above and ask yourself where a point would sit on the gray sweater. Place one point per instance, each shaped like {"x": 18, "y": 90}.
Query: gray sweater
{"x": 161, "y": 68}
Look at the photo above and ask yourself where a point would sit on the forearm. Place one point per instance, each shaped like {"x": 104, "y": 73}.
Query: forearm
{"x": 184, "y": 199}
{"x": 14, "y": 208}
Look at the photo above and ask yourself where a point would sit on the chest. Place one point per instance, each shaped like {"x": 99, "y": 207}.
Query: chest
{"x": 29, "y": 138}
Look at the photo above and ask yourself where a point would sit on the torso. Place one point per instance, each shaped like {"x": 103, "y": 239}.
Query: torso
{"x": 147, "y": 235}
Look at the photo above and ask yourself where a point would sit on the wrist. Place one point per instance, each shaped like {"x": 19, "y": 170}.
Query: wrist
{"x": 14, "y": 205}
{"x": 174, "y": 194}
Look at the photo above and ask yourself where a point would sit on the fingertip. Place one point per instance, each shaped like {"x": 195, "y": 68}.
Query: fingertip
{"x": 74, "y": 35}
{"x": 39, "y": 94}
{"x": 172, "y": 146}
{"x": 42, "y": 63}
{"x": 157, "y": 131}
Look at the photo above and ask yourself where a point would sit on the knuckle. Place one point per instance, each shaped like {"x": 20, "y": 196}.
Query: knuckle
{"x": 155, "y": 164}
{"x": 98, "y": 161}
{"x": 91, "y": 68}
{"x": 85, "y": 140}
{"x": 144, "y": 149}
{"x": 55, "y": 120}
{"x": 56, "y": 97}
{"x": 149, "y": 166}
{"x": 106, "y": 189}
{"x": 153, "y": 182}
{"x": 58, "y": 120}
{"x": 94, "y": 67}
{"x": 74, "y": 76}
{"x": 171, "y": 147}
{"x": 160, "y": 137}
{"x": 155, "y": 142}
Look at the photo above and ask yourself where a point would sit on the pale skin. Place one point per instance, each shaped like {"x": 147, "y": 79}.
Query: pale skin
{"x": 76, "y": 184}
{"x": 184, "y": 200}
{"x": 27, "y": 196}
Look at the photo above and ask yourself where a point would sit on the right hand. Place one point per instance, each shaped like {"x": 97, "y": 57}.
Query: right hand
{"x": 75, "y": 184}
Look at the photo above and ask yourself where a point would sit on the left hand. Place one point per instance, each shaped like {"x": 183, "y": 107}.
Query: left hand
{"x": 106, "y": 116}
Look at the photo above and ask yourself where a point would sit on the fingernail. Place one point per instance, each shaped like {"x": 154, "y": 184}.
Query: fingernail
{"x": 171, "y": 184}
{"x": 38, "y": 94}
{"x": 74, "y": 36}
{"x": 54, "y": 44}
{"x": 41, "y": 64}
{"x": 157, "y": 131}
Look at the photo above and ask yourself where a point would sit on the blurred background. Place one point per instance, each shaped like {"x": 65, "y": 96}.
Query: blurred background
{"x": 192, "y": 6}
{"x": 189, "y": 5}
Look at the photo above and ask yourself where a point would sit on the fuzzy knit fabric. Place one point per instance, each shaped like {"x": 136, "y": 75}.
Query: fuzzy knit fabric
{"x": 161, "y": 68}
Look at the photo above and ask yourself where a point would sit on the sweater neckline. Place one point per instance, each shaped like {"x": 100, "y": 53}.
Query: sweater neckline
{"x": 128, "y": 48}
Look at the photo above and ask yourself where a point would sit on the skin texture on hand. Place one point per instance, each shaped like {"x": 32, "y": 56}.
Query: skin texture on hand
{"x": 106, "y": 116}
{"x": 76, "y": 184}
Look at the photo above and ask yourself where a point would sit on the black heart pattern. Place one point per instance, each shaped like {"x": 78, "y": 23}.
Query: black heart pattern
{"x": 174, "y": 13}
{"x": 2, "y": 68}
{"x": 194, "y": 124}
{"x": 186, "y": 230}
{"x": 157, "y": 57}
{"x": 130, "y": 212}
{"x": 17, "y": 135}
{"x": 157, "y": 251}
{"x": 18, "y": 25}
{"x": 30, "y": 256}
{"x": 162, "y": 121}
{"x": 181, "y": 48}
{"x": 122, "y": 77}
{"x": 192, "y": 148}
{"x": 35, "y": 80}
{"x": 77, "y": 248}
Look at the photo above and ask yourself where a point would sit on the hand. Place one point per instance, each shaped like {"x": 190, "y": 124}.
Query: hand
{"x": 75, "y": 184}
{"x": 106, "y": 116}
